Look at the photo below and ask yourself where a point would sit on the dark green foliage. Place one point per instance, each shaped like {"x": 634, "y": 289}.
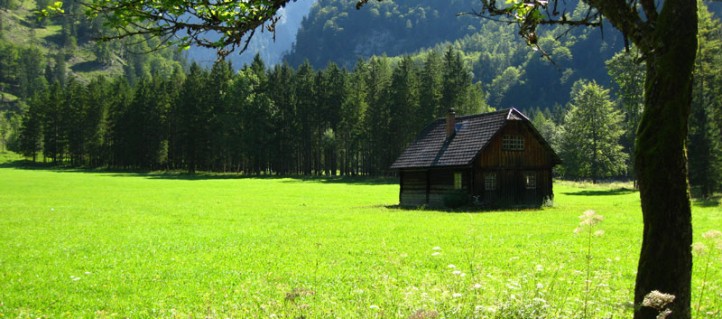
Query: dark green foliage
{"x": 628, "y": 74}
{"x": 589, "y": 143}
{"x": 31, "y": 130}
{"x": 403, "y": 99}
{"x": 388, "y": 27}
{"x": 456, "y": 198}
{"x": 705, "y": 127}
{"x": 511, "y": 73}
{"x": 377, "y": 117}
{"x": 193, "y": 115}
{"x": 256, "y": 121}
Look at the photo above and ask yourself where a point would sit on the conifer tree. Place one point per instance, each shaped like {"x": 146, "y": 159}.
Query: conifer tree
{"x": 350, "y": 131}
{"x": 257, "y": 112}
{"x": 403, "y": 99}
{"x": 331, "y": 97}
{"x": 53, "y": 136}
{"x": 31, "y": 130}
{"x": 73, "y": 120}
{"x": 306, "y": 104}
{"x": 377, "y": 117}
{"x": 430, "y": 85}
{"x": 192, "y": 119}
{"x": 589, "y": 145}
{"x": 456, "y": 81}
{"x": 705, "y": 141}
{"x": 285, "y": 124}
{"x": 222, "y": 119}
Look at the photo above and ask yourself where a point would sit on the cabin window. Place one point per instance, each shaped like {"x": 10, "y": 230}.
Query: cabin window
{"x": 457, "y": 180}
{"x": 490, "y": 181}
{"x": 530, "y": 180}
{"x": 512, "y": 143}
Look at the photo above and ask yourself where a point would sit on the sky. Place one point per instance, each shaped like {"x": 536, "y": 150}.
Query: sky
{"x": 263, "y": 43}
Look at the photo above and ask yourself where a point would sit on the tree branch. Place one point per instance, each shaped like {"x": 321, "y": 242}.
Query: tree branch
{"x": 223, "y": 25}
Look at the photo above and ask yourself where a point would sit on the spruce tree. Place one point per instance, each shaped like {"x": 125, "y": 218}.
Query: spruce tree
{"x": 193, "y": 117}
{"x": 284, "y": 123}
{"x": 705, "y": 141}
{"x": 377, "y": 117}
{"x": 430, "y": 85}
{"x": 403, "y": 100}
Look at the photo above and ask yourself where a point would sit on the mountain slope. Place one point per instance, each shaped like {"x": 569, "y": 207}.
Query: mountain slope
{"x": 271, "y": 47}
{"x": 512, "y": 73}
{"x": 335, "y": 31}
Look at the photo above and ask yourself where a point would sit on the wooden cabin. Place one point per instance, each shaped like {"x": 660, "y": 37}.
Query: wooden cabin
{"x": 495, "y": 159}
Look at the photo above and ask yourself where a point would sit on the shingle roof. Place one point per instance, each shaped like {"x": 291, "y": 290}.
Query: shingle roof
{"x": 432, "y": 149}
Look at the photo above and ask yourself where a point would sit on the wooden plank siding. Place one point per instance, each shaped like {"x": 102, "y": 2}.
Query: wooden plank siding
{"x": 413, "y": 188}
{"x": 501, "y": 149}
{"x": 428, "y": 187}
{"x": 534, "y": 155}
{"x": 512, "y": 167}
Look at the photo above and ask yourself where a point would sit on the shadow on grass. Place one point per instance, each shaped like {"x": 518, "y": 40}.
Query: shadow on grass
{"x": 607, "y": 192}
{"x": 199, "y": 176}
{"x": 465, "y": 209}
{"x": 713, "y": 201}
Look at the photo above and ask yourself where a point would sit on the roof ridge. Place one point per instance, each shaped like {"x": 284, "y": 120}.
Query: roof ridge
{"x": 477, "y": 115}
{"x": 514, "y": 110}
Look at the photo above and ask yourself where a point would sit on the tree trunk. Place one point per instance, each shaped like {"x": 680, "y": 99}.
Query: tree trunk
{"x": 665, "y": 261}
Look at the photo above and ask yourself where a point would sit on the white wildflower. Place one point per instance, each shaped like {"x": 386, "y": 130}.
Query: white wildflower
{"x": 477, "y": 286}
{"x": 436, "y": 253}
{"x": 712, "y": 234}
{"x": 657, "y": 300}
{"x": 374, "y": 307}
{"x": 590, "y": 218}
{"x": 456, "y": 295}
{"x": 456, "y": 272}
{"x": 436, "y": 248}
{"x": 452, "y": 266}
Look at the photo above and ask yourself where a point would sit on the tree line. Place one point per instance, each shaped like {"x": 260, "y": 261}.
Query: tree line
{"x": 595, "y": 133}
{"x": 259, "y": 120}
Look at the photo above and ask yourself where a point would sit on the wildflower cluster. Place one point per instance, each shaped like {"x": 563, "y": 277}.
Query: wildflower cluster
{"x": 659, "y": 301}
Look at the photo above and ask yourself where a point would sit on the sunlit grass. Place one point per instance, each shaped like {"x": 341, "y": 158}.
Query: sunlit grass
{"x": 100, "y": 244}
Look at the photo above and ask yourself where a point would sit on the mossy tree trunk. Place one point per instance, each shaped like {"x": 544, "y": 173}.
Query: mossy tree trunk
{"x": 665, "y": 262}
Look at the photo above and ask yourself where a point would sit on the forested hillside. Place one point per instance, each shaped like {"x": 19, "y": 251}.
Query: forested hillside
{"x": 336, "y": 31}
{"x": 37, "y": 51}
{"x": 512, "y": 74}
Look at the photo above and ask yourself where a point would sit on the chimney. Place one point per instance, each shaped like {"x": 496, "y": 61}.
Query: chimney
{"x": 450, "y": 123}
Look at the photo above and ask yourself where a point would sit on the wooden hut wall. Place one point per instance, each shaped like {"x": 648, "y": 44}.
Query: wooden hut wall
{"x": 511, "y": 168}
{"x": 534, "y": 155}
{"x": 441, "y": 183}
{"x": 413, "y": 188}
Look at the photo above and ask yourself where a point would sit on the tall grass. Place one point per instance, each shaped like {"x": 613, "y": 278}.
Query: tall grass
{"x": 78, "y": 244}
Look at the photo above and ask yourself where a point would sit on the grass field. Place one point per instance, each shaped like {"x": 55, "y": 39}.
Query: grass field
{"x": 105, "y": 245}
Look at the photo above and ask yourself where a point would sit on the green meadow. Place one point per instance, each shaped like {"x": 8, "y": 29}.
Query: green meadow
{"x": 95, "y": 244}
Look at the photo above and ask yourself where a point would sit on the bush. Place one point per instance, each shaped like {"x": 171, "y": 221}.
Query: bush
{"x": 456, "y": 198}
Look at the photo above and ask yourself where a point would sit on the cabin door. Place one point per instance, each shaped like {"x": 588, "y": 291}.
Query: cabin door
{"x": 529, "y": 186}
